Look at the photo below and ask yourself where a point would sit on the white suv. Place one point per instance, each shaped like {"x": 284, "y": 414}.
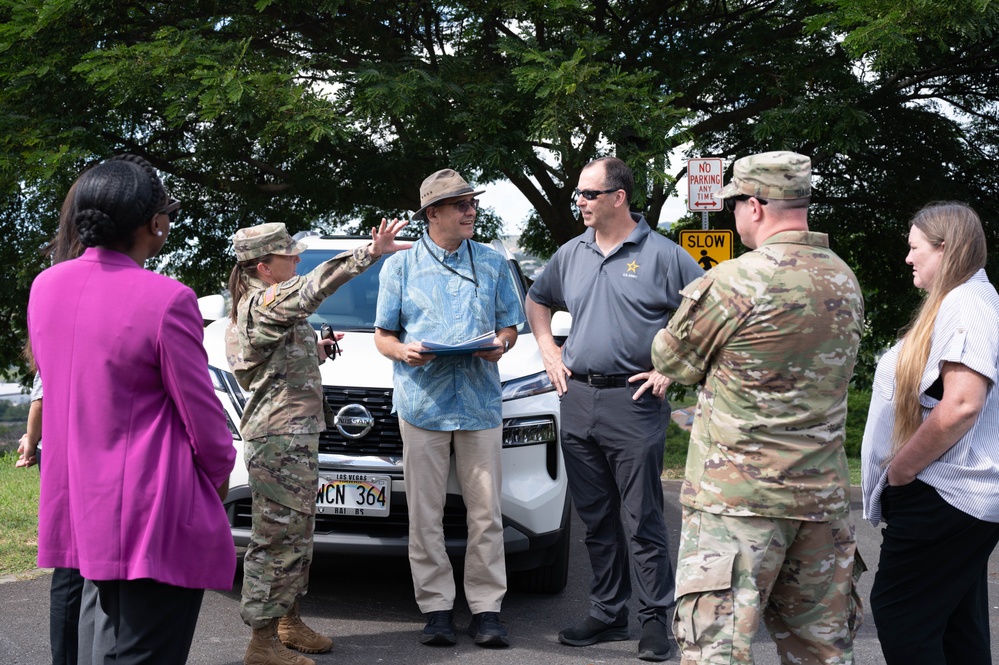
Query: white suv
{"x": 361, "y": 498}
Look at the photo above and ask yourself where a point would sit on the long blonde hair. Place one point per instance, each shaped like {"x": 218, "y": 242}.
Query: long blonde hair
{"x": 958, "y": 229}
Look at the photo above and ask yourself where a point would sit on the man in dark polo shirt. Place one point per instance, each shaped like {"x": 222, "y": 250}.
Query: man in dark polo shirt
{"x": 619, "y": 280}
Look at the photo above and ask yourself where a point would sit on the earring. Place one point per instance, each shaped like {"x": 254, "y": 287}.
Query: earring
{"x": 159, "y": 233}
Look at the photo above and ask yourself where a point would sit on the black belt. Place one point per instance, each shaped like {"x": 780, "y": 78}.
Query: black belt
{"x": 603, "y": 380}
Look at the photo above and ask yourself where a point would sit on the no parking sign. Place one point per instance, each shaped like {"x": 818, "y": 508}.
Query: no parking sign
{"x": 704, "y": 178}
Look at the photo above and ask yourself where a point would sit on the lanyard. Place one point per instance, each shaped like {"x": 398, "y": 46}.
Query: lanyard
{"x": 473, "y": 279}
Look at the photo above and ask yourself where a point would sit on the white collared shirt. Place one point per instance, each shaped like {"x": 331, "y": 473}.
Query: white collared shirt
{"x": 966, "y": 331}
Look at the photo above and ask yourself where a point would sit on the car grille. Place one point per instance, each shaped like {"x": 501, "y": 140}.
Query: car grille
{"x": 383, "y": 440}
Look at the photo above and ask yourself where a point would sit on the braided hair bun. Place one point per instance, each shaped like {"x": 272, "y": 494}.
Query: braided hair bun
{"x": 95, "y": 227}
{"x": 115, "y": 198}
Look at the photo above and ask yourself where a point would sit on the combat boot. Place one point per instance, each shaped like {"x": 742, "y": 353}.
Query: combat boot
{"x": 266, "y": 649}
{"x": 296, "y": 635}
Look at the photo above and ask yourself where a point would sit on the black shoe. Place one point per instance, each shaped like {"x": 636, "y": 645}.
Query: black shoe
{"x": 439, "y": 629}
{"x": 487, "y": 630}
{"x": 593, "y": 630}
{"x": 654, "y": 645}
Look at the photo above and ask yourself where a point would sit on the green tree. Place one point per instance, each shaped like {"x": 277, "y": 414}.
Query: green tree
{"x": 328, "y": 114}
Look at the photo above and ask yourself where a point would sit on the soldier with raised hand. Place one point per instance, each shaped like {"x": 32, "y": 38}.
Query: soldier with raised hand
{"x": 273, "y": 352}
{"x": 772, "y": 336}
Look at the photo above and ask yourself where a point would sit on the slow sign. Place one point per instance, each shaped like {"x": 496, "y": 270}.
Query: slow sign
{"x": 709, "y": 248}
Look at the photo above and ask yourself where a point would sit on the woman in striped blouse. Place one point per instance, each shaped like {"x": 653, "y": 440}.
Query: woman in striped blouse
{"x": 930, "y": 458}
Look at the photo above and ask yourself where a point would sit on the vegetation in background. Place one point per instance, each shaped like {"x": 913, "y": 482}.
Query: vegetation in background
{"x": 18, "y": 496}
{"x": 11, "y": 412}
{"x": 675, "y": 457}
{"x": 18, "y": 517}
{"x": 857, "y": 403}
{"x": 327, "y": 113}
{"x": 12, "y": 422}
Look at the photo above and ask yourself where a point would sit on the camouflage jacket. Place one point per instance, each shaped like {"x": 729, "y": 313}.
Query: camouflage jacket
{"x": 272, "y": 348}
{"x": 773, "y": 336}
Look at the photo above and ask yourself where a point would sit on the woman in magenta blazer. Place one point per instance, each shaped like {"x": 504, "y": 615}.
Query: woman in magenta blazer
{"x": 137, "y": 451}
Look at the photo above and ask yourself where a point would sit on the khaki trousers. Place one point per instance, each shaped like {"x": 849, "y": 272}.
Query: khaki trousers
{"x": 427, "y": 463}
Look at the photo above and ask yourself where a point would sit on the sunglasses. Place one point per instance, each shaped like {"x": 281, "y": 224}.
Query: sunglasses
{"x": 171, "y": 209}
{"x": 463, "y": 206}
{"x": 730, "y": 202}
{"x": 332, "y": 351}
{"x": 591, "y": 194}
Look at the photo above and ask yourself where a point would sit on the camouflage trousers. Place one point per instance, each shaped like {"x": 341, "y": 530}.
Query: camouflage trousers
{"x": 284, "y": 477}
{"x": 800, "y": 576}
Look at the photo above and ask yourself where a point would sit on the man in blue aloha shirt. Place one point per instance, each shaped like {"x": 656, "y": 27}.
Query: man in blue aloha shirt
{"x": 449, "y": 289}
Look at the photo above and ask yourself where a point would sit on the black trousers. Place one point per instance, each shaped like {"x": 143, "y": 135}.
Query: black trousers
{"x": 64, "y": 614}
{"x": 613, "y": 447}
{"x": 153, "y": 622}
{"x": 930, "y": 595}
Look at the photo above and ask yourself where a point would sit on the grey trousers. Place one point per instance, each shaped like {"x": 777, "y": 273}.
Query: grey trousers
{"x": 96, "y": 630}
{"x": 153, "y": 622}
{"x": 613, "y": 447}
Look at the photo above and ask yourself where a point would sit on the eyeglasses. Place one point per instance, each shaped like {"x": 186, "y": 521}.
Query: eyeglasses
{"x": 333, "y": 350}
{"x": 592, "y": 194}
{"x": 171, "y": 209}
{"x": 463, "y": 206}
{"x": 730, "y": 202}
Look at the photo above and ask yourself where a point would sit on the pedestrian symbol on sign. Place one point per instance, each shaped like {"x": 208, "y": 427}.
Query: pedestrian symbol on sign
{"x": 707, "y": 262}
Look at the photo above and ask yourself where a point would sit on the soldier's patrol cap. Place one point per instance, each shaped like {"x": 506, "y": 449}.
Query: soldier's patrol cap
{"x": 262, "y": 239}
{"x": 770, "y": 175}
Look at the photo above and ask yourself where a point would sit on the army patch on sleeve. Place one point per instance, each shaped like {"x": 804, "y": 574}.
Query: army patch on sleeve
{"x": 269, "y": 296}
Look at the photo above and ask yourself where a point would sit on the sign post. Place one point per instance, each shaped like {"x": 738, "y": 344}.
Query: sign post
{"x": 704, "y": 178}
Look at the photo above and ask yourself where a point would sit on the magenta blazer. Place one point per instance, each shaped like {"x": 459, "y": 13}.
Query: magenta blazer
{"x": 135, "y": 439}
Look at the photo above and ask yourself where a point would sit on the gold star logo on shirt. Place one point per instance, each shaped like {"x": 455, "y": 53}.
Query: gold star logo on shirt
{"x": 633, "y": 267}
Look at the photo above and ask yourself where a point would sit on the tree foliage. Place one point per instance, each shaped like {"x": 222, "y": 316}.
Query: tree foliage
{"x": 328, "y": 114}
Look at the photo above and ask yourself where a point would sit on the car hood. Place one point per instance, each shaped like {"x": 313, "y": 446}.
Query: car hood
{"x": 362, "y": 366}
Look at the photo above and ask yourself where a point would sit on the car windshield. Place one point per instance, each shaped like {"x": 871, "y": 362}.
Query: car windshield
{"x": 353, "y": 305}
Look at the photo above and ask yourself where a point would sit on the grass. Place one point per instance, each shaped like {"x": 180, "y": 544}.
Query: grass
{"x": 18, "y": 517}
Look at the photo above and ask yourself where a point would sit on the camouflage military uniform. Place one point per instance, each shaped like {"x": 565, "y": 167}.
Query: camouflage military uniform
{"x": 773, "y": 336}
{"x": 272, "y": 351}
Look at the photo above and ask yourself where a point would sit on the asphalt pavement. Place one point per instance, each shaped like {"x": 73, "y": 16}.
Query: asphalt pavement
{"x": 367, "y": 605}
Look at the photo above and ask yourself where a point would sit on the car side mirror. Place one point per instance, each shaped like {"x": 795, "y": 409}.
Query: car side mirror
{"x": 561, "y": 324}
{"x": 212, "y": 307}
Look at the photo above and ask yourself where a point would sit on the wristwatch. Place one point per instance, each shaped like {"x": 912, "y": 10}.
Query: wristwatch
{"x": 506, "y": 345}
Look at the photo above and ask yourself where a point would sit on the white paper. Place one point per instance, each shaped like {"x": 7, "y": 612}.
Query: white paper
{"x": 473, "y": 343}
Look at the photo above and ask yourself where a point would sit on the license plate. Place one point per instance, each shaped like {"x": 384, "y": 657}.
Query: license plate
{"x": 353, "y": 494}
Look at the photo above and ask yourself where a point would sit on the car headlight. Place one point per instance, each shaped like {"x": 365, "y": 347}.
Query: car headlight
{"x": 529, "y": 431}
{"x": 535, "y": 384}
